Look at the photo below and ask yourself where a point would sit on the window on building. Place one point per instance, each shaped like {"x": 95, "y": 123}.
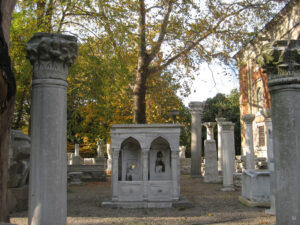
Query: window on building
{"x": 261, "y": 136}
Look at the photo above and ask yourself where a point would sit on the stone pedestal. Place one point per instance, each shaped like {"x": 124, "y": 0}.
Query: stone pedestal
{"x": 210, "y": 151}
{"x": 228, "y": 152}
{"x": 220, "y": 158}
{"x": 146, "y": 167}
{"x": 51, "y": 55}
{"x": 211, "y": 163}
{"x": 255, "y": 188}
{"x": 77, "y": 160}
{"x": 281, "y": 60}
{"x": 249, "y": 149}
{"x": 196, "y": 109}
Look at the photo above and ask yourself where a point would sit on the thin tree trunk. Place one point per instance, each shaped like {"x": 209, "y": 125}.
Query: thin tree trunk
{"x": 7, "y": 99}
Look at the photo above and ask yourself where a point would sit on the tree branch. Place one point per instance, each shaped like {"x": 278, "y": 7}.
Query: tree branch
{"x": 162, "y": 33}
{"x": 142, "y": 30}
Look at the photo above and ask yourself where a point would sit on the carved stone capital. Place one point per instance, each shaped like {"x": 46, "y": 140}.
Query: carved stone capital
{"x": 210, "y": 125}
{"x": 227, "y": 126}
{"x": 248, "y": 118}
{"x": 51, "y": 54}
{"x": 196, "y": 107}
{"x": 220, "y": 120}
{"x": 281, "y": 60}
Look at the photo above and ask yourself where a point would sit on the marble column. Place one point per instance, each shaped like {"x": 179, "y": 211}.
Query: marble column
{"x": 182, "y": 152}
{"x": 109, "y": 159}
{"x": 220, "y": 158}
{"x": 51, "y": 55}
{"x": 145, "y": 153}
{"x": 228, "y": 152}
{"x": 175, "y": 173}
{"x": 269, "y": 137}
{"x": 281, "y": 61}
{"x": 249, "y": 148}
{"x": 196, "y": 109}
{"x": 115, "y": 173}
{"x": 211, "y": 157}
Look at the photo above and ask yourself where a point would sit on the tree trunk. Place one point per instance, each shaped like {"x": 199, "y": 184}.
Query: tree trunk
{"x": 7, "y": 99}
{"x": 139, "y": 92}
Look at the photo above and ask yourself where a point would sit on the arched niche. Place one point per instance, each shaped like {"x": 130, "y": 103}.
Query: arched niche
{"x": 160, "y": 160}
{"x": 130, "y": 168}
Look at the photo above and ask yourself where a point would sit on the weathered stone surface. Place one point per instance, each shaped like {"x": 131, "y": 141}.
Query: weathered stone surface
{"x": 211, "y": 163}
{"x": 18, "y": 199}
{"x": 220, "y": 158}
{"x": 50, "y": 55}
{"x": 281, "y": 60}
{"x": 269, "y": 135}
{"x": 182, "y": 152}
{"x": 228, "y": 152}
{"x": 249, "y": 148}
{"x": 196, "y": 110}
{"x": 109, "y": 159}
{"x": 210, "y": 130}
{"x": 19, "y": 159}
{"x": 146, "y": 166}
{"x": 256, "y": 185}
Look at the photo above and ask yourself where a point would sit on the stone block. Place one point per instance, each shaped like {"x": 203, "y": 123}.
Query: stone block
{"x": 18, "y": 199}
{"x": 256, "y": 186}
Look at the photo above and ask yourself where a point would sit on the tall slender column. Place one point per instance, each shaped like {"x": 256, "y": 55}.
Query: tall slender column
{"x": 228, "y": 151}
{"x": 269, "y": 137}
{"x": 175, "y": 173}
{"x": 220, "y": 158}
{"x": 249, "y": 149}
{"x": 196, "y": 109}
{"x": 145, "y": 163}
{"x": 115, "y": 173}
{"x": 211, "y": 163}
{"x": 51, "y": 55}
{"x": 281, "y": 60}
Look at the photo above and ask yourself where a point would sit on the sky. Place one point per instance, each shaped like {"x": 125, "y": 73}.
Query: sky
{"x": 211, "y": 81}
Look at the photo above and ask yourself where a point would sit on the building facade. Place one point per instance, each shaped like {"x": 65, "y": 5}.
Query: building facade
{"x": 255, "y": 97}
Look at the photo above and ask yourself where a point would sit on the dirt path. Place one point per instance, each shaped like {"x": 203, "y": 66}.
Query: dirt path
{"x": 211, "y": 206}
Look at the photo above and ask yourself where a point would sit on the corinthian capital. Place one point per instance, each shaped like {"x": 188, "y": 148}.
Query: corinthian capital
{"x": 196, "y": 107}
{"x": 51, "y": 54}
{"x": 281, "y": 60}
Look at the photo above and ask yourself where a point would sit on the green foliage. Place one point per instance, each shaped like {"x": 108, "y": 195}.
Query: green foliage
{"x": 227, "y": 107}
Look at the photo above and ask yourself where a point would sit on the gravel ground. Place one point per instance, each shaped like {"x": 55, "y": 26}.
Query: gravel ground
{"x": 211, "y": 206}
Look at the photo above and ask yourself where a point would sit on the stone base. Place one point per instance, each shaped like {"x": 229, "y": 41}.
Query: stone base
{"x": 229, "y": 188}
{"x": 18, "y": 199}
{"x": 181, "y": 203}
{"x": 256, "y": 186}
{"x": 250, "y": 203}
{"x": 90, "y": 172}
{"x": 77, "y": 160}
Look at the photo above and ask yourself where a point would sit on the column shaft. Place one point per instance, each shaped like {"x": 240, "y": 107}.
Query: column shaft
{"x": 281, "y": 60}
{"x": 50, "y": 55}
{"x": 196, "y": 138}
